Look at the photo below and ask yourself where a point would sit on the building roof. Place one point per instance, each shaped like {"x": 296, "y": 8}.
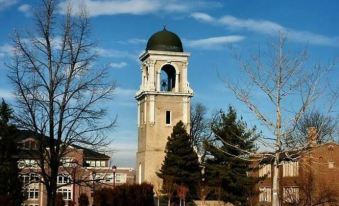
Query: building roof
{"x": 24, "y": 134}
{"x": 268, "y": 157}
{"x": 91, "y": 154}
{"x": 164, "y": 41}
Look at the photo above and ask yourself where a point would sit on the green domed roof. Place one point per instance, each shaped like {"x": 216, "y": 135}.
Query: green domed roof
{"x": 164, "y": 41}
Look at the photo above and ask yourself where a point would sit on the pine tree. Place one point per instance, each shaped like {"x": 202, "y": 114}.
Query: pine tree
{"x": 226, "y": 168}
{"x": 10, "y": 185}
{"x": 181, "y": 165}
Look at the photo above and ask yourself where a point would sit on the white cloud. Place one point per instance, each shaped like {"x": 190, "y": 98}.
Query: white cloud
{"x": 6, "y": 94}
{"x": 4, "y": 4}
{"x": 6, "y": 50}
{"x": 26, "y": 9}
{"x": 202, "y": 17}
{"x": 214, "y": 42}
{"x": 125, "y": 92}
{"x": 124, "y": 97}
{"x": 269, "y": 28}
{"x": 117, "y": 65}
{"x": 137, "y": 41}
{"x": 111, "y": 53}
{"x": 134, "y": 7}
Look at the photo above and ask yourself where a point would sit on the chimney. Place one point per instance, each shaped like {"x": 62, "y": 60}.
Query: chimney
{"x": 312, "y": 136}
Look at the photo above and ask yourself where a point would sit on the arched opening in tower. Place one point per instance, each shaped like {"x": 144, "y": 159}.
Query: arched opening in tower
{"x": 167, "y": 78}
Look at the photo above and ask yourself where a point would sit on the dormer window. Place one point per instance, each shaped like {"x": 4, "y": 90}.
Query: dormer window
{"x": 29, "y": 144}
{"x": 95, "y": 163}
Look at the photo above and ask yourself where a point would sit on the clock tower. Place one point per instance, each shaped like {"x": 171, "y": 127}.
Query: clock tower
{"x": 163, "y": 100}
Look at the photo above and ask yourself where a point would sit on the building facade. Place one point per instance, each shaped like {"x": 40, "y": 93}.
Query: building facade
{"x": 82, "y": 172}
{"x": 163, "y": 100}
{"x": 307, "y": 178}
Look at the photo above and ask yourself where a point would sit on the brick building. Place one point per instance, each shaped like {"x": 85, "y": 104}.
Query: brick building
{"x": 89, "y": 169}
{"x": 309, "y": 177}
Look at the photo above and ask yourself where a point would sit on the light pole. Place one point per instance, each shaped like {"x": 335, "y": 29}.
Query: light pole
{"x": 93, "y": 186}
{"x": 74, "y": 167}
{"x": 203, "y": 196}
{"x": 114, "y": 169}
{"x": 93, "y": 178}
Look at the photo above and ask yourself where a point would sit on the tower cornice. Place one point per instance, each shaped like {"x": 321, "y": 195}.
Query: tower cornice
{"x": 140, "y": 94}
{"x": 148, "y": 53}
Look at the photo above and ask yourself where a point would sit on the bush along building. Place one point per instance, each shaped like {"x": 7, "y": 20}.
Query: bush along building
{"x": 307, "y": 177}
{"x": 83, "y": 172}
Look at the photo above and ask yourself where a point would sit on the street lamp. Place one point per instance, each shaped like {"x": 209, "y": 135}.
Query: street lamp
{"x": 93, "y": 178}
{"x": 74, "y": 167}
{"x": 114, "y": 169}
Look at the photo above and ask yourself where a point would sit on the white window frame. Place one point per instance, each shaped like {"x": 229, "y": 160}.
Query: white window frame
{"x": 265, "y": 194}
{"x": 29, "y": 179}
{"x": 35, "y": 193}
{"x": 64, "y": 179}
{"x": 265, "y": 170}
{"x": 67, "y": 162}
{"x": 66, "y": 190}
{"x": 290, "y": 168}
{"x": 102, "y": 163}
{"x": 291, "y": 194}
{"x": 120, "y": 178}
{"x": 30, "y": 163}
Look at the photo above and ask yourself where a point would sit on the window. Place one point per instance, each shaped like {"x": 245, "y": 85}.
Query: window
{"x": 265, "y": 170}
{"x": 96, "y": 163}
{"x": 29, "y": 145}
{"x": 330, "y": 165}
{"x": 265, "y": 194}
{"x": 28, "y": 163}
{"x": 28, "y": 179}
{"x": 168, "y": 117}
{"x": 120, "y": 178}
{"x": 66, "y": 162}
{"x": 66, "y": 193}
{"x": 32, "y": 193}
{"x": 290, "y": 169}
{"x": 64, "y": 179}
{"x": 291, "y": 194}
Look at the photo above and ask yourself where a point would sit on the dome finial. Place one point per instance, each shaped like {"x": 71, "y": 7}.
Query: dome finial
{"x": 165, "y": 27}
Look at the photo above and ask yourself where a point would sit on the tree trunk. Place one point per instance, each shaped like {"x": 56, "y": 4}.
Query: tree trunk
{"x": 51, "y": 197}
{"x": 275, "y": 183}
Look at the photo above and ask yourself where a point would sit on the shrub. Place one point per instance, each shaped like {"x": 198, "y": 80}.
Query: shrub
{"x": 125, "y": 195}
{"x": 83, "y": 200}
{"x": 59, "y": 201}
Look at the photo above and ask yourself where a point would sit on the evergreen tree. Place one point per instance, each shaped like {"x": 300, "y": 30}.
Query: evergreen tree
{"x": 226, "y": 166}
{"x": 181, "y": 165}
{"x": 10, "y": 185}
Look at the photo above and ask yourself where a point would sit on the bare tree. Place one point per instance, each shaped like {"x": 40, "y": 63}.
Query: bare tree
{"x": 325, "y": 126}
{"x": 289, "y": 87}
{"x": 308, "y": 192}
{"x": 58, "y": 90}
{"x": 199, "y": 127}
{"x": 311, "y": 194}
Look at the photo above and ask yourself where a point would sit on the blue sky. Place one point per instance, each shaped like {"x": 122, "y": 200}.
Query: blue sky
{"x": 207, "y": 29}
